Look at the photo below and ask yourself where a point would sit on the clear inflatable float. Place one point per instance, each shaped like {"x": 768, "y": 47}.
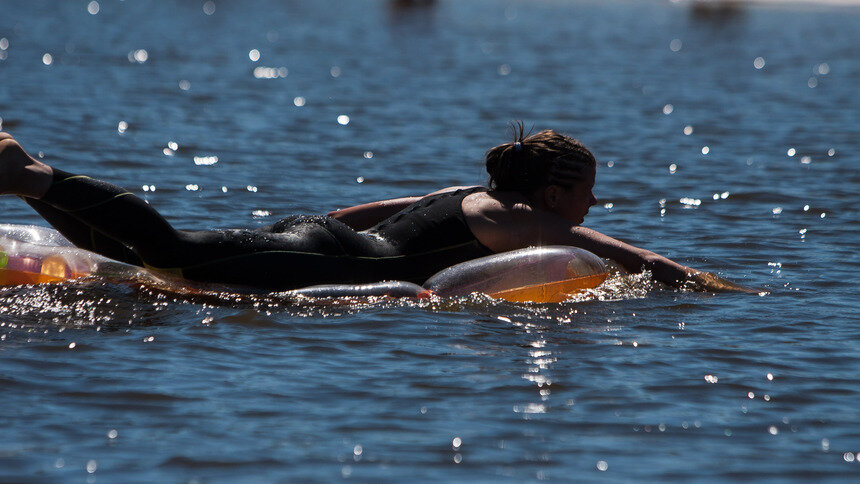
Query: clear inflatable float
{"x": 35, "y": 255}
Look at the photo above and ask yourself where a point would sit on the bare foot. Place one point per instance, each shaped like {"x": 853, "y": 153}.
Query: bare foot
{"x": 20, "y": 173}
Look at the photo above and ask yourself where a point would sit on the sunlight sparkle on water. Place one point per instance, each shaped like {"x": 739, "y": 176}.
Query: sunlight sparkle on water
{"x": 530, "y": 408}
{"x": 673, "y": 168}
{"x": 93, "y": 7}
{"x": 4, "y": 43}
{"x": 270, "y": 72}
{"x": 688, "y": 130}
{"x": 690, "y": 202}
{"x": 706, "y": 150}
{"x": 122, "y": 127}
{"x": 184, "y": 85}
{"x": 47, "y": 59}
{"x": 675, "y": 45}
{"x": 209, "y": 7}
{"x": 335, "y": 71}
{"x": 140, "y": 56}
{"x": 758, "y": 63}
{"x": 667, "y": 109}
{"x": 205, "y": 160}
{"x": 299, "y": 101}
{"x": 343, "y": 120}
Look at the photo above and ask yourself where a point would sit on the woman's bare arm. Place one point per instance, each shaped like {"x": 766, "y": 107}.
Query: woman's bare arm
{"x": 362, "y": 217}
{"x": 514, "y": 226}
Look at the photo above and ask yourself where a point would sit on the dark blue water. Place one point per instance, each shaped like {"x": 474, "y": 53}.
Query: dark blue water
{"x": 112, "y": 383}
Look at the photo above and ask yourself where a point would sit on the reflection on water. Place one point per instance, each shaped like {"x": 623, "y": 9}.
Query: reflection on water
{"x": 726, "y": 139}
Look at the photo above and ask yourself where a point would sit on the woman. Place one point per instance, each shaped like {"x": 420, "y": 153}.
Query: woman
{"x": 540, "y": 191}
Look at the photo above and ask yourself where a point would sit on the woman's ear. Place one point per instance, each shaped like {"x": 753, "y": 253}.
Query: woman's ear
{"x": 551, "y": 195}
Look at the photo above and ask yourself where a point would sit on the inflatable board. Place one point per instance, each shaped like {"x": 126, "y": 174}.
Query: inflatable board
{"x": 35, "y": 255}
{"x": 535, "y": 274}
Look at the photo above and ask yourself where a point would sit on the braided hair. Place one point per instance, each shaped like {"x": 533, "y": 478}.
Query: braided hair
{"x": 532, "y": 161}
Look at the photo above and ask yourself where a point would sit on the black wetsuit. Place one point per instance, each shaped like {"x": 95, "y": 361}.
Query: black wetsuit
{"x": 297, "y": 251}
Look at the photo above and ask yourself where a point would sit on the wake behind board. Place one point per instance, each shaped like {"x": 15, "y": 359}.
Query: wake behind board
{"x": 38, "y": 255}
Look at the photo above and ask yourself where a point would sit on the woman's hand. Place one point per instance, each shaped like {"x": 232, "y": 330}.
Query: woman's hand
{"x": 677, "y": 275}
{"x": 708, "y": 281}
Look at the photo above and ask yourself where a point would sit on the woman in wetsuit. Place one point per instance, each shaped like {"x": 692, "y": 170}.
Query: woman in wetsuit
{"x": 540, "y": 191}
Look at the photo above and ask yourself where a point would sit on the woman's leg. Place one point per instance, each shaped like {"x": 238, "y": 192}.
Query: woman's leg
{"x": 82, "y": 235}
{"x": 73, "y": 229}
{"x": 99, "y": 206}
{"x": 249, "y": 257}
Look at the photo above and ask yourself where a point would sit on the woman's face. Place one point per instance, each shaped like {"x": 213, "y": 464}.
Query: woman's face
{"x": 573, "y": 203}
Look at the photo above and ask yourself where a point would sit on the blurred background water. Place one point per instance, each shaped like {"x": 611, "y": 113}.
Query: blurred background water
{"x": 727, "y": 138}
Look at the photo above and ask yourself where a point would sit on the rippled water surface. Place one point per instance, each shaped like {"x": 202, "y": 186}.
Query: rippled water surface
{"x": 727, "y": 138}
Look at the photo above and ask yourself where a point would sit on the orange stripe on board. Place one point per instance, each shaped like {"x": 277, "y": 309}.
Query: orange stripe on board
{"x": 551, "y": 292}
{"x": 9, "y": 277}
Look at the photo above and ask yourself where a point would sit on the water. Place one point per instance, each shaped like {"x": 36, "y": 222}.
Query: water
{"x": 103, "y": 381}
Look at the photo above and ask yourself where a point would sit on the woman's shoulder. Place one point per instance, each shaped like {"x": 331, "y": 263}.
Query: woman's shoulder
{"x": 454, "y": 189}
{"x": 491, "y": 203}
{"x": 503, "y": 221}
